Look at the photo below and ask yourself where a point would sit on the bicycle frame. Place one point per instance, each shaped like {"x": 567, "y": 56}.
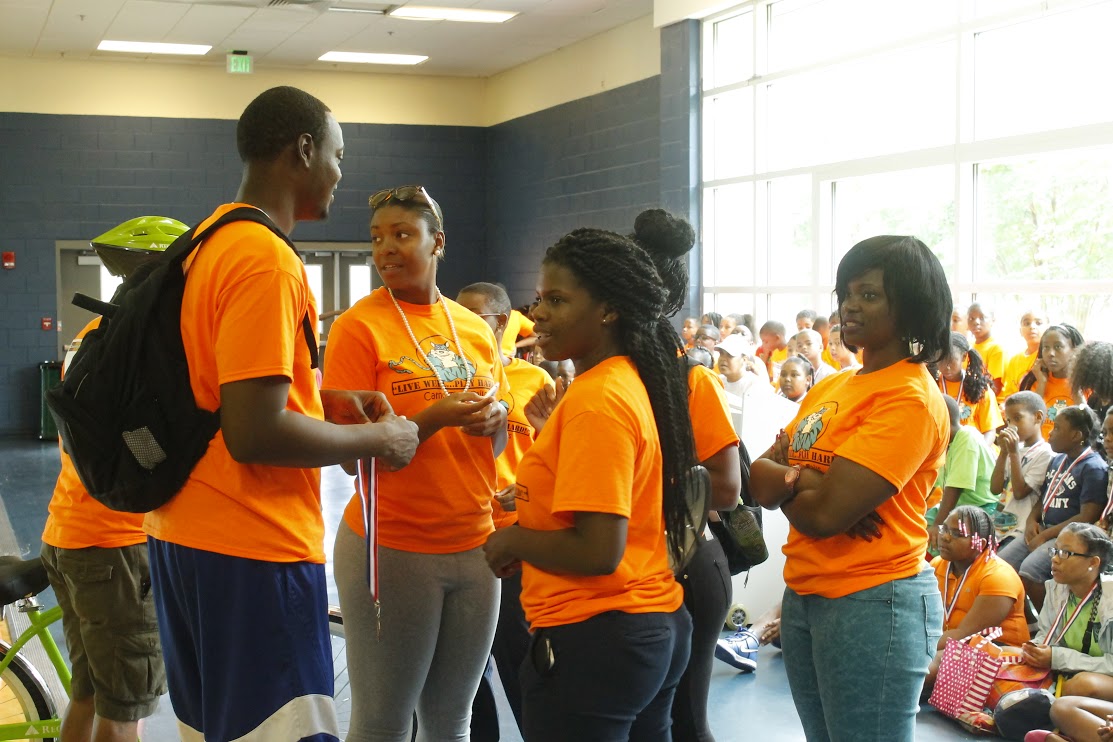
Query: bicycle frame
{"x": 40, "y": 622}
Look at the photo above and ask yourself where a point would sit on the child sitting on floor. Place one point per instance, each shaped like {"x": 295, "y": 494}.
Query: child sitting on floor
{"x": 1022, "y": 461}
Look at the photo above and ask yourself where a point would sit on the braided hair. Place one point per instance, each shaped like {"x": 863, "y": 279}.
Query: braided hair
{"x": 666, "y": 238}
{"x": 977, "y": 524}
{"x": 616, "y": 271}
{"x": 1067, "y": 331}
{"x": 1097, "y": 543}
{"x": 976, "y": 380}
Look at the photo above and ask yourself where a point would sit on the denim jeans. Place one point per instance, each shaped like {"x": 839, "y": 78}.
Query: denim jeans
{"x": 856, "y": 664}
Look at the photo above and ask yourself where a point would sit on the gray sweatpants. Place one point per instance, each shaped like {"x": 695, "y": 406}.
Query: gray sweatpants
{"x": 438, "y": 621}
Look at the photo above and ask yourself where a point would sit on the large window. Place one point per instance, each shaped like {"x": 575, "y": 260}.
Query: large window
{"x": 980, "y": 126}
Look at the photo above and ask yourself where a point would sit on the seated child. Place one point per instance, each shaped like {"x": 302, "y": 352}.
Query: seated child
{"x": 964, "y": 477}
{"x": 738, "y": 369}
{"x": 979, "y": 590}
{"x": 796, "y": 378}
{"x": 1050, "y": 374}
{"x": 805, "y": 318}
{"x": 1031, "y": 329}
{"x": 1075, "y": 636}
{"x": 823, "y": 327}
{"x": 809, "y": 344}
{"x": 1074, "y": 490}
{"x": 979, "y": 320}
{"x": 1022, "y": 461}
{"x": 1092, "y": 375}
{"x": 962, "y": 375}
{"x": 688, "y": 332}
{"x": 774, "y": 348}
{"x": 842, "y": 356}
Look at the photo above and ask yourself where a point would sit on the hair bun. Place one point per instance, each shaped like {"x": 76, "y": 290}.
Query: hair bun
{"x": 663, "y": 235}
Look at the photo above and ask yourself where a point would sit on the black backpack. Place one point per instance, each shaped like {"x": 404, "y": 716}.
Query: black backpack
{"x": 125, "y": 409}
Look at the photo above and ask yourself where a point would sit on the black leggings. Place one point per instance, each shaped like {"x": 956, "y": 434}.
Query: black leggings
{"x": 707, "y": 596}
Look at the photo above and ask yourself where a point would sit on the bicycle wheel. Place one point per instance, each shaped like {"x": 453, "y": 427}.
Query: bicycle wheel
{"x": 343, "y": 688}
{"x": 23, "y": 694}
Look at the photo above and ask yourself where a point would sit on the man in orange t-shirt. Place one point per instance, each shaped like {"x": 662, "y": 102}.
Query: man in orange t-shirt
{"x": 511, "y": 644}
{"x": 237, "y": 556}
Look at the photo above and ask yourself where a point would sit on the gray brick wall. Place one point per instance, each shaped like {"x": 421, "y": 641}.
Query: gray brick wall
{"x": 594, "y": 162}
{"x": 73, "y": 177}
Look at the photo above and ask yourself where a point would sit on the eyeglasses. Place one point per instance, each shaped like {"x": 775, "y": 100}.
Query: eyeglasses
{"x": 406, "y": 193}
{"x": 942, "y": 528}
{"x": 704, "y": 337}
{"x": 1063, "y": 553}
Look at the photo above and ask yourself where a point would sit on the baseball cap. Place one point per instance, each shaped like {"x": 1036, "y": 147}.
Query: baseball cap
{"x": 735, "y": 345}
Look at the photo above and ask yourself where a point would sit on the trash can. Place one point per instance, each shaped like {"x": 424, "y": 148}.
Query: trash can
{"x": 50, "y": 375}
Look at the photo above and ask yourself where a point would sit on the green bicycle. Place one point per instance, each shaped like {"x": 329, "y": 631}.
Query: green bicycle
{"x": 28, "y": 709}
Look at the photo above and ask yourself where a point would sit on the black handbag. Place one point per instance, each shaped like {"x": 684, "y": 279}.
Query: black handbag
{"x": 740, "y": 530}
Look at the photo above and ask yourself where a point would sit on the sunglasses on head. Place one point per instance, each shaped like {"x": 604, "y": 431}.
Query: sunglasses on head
{"x": 405, "y": 194}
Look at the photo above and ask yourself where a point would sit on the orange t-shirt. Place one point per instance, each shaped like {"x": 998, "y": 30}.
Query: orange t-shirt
{"x": 525, "y": 381}
{"x": 894, "y": 422}
{"x": 76, "y": 520}
{"x": 993, "y": 356}
{"x": 246, "y": 294}
{"x": 710, "y": 413}
{"x": 1015, "y": 370}
{"x": 441, "y": 502}
{"x": 984, "y": 416}
{"x": 1057, "y": 396}
{"x": 994, "y": 577}
{"x": 598, "y": 453}
{"x": 516, "y": 324}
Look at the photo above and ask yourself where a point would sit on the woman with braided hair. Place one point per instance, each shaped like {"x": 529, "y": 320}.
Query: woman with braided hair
{"x": 979, "y": 589}
{"x": 706, "y": 578}
{"x": 599, "y": 495}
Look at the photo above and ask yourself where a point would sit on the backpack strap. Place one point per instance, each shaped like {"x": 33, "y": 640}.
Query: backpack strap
{"x": 181, "y": 248}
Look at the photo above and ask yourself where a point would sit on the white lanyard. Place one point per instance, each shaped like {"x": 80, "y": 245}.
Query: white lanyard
{"x": 1031, "y": 451}
{"x": 1057, "y": 481}
{"x": 943, "y": 386}
{"x": 958, "y": 591}
{"x": 1073, "y": 617}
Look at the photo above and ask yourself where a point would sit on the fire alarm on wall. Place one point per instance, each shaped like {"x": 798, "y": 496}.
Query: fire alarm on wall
{"x": 9, "y": 260}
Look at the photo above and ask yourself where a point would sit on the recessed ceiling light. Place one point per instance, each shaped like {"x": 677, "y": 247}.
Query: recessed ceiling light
{"x": 147, "y": 47}
{"x": 365, "y": 58}
{"x": 465, "y": 15}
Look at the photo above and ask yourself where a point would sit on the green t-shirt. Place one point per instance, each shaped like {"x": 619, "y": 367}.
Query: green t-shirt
{"x": 1077, "y": 632}
{"x": 969, "y": 467}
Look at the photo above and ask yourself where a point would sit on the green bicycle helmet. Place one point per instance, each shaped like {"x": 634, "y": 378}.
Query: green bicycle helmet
{"x": 125, "y": 246}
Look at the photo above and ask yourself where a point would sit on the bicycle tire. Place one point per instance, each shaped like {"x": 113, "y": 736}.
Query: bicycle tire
{"x": 23, "y": 694}
{"x": 342, "y": 688}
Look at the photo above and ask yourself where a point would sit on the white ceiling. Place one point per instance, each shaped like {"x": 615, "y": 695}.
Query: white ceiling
{"x": 291, "y": 34}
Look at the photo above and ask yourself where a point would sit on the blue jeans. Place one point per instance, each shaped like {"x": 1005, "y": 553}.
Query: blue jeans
{"x": 856, "y": 664}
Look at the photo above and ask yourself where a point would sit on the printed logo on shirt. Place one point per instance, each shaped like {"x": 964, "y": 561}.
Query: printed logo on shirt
{"x": 521, "y": 492}
{"x": 964, "y": 411}
{"x": 1053, "y": 411}
{"x": 810, "y": 429}
{"x": 1068, "y": 486}
{"x": 516, "y": 428}
{"x": 446, "y": 366}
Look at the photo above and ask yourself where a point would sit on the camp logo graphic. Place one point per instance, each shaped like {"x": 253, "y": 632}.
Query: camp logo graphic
{"x": 522, "y": 492}
{"x": 811, "y": 427}
{"x": 441, "y": 365}
{"x": 964, "y": 411}
{"x": 1054, "y": 410}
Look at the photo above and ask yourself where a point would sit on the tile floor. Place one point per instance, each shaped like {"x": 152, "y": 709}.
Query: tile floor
{"x": 743, "y": 708}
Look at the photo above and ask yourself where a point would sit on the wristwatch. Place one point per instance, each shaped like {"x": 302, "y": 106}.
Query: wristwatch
{"x": 791, "y": 477}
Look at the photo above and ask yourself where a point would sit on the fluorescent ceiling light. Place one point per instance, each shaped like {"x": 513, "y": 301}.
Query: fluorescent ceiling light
{"x": 358, "y": 10}
{"x": 364, "y": 58}
{"x": 146, "y": 47}
{"x": 466, "y": 15}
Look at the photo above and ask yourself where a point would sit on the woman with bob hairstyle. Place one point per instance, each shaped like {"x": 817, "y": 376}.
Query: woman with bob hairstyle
{"x": 861, "y": 612}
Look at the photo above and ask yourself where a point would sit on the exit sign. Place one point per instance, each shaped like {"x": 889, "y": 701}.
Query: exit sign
{"x": 239, "y": 64}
